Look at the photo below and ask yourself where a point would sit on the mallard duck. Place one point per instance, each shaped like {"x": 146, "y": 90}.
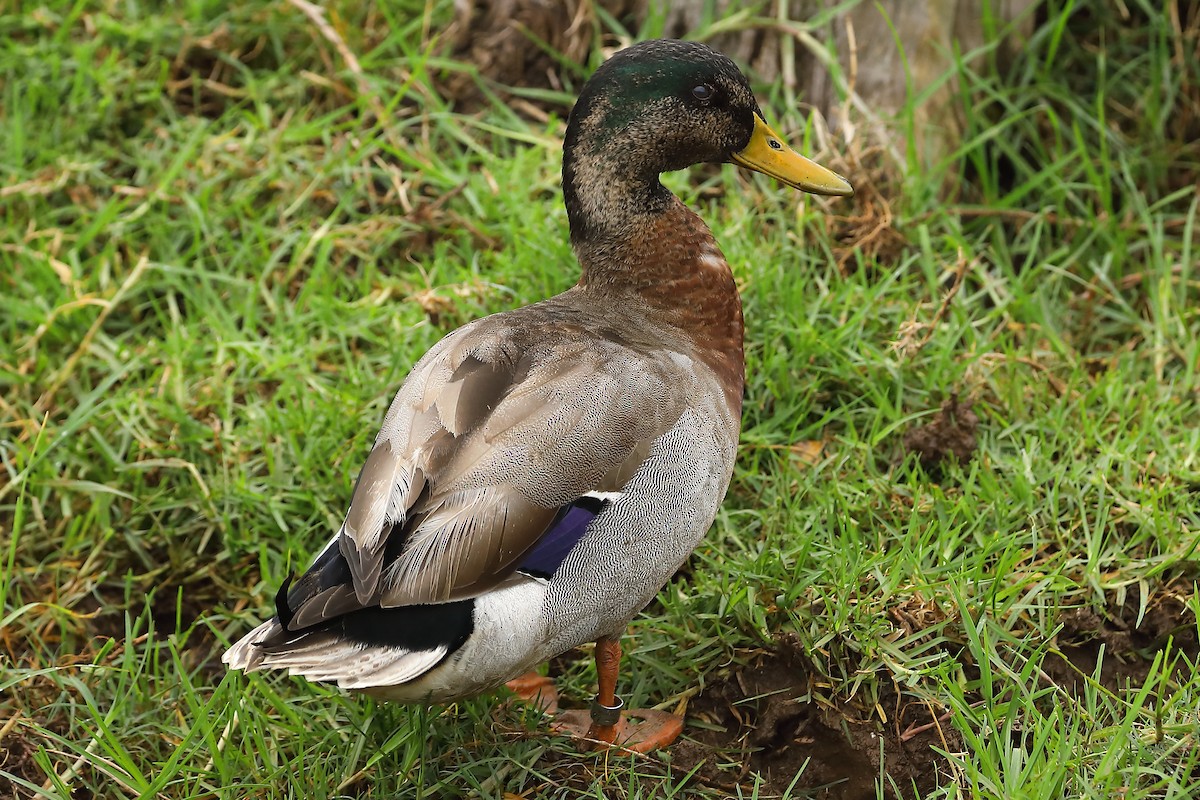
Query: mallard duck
{"x": 542, "y": 472}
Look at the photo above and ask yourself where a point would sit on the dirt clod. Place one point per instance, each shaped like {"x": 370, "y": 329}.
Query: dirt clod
{"x": 950, "y": 433}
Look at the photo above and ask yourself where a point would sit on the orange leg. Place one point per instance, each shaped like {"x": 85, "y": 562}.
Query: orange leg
{"x": 639, "y": 730}
{"x": 606, "y": 708}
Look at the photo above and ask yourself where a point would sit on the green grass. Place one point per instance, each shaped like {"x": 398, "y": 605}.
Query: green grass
{"x": 218, "y": 259}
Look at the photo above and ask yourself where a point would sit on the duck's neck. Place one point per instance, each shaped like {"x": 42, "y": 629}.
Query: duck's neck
{"x": 634, "y": 238}
{"x": 608, "y": 189}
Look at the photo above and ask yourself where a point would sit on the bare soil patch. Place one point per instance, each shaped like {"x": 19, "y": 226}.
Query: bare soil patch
{"x": 760, "y": 725}
{"x": 1123, "y": 645}
{"x": 23, "y": 723}
{"x": 17, "y": 759}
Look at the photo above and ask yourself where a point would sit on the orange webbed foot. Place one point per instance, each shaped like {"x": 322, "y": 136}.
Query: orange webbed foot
{"x": 640, "y": 730}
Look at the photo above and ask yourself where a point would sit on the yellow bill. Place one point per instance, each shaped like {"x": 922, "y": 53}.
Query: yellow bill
{"x": 768, "y": 154}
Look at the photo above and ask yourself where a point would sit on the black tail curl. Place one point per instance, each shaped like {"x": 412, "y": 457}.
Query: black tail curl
{"x": 282, "y": 610}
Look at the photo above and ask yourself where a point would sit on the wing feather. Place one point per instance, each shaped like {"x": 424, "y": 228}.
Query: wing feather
{"x": 470, "y": 541}
{"x": 497, "y": 428}
{"x": 385, "y": 485}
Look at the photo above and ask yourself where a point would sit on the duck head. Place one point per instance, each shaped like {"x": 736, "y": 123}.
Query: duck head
{"x": 659, "y": 106}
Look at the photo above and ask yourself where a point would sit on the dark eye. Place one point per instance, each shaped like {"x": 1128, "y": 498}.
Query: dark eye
{"x": 703, "y": 92}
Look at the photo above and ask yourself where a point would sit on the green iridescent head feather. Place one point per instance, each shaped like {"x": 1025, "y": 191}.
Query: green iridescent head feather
{"x": 659, "y": 106}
